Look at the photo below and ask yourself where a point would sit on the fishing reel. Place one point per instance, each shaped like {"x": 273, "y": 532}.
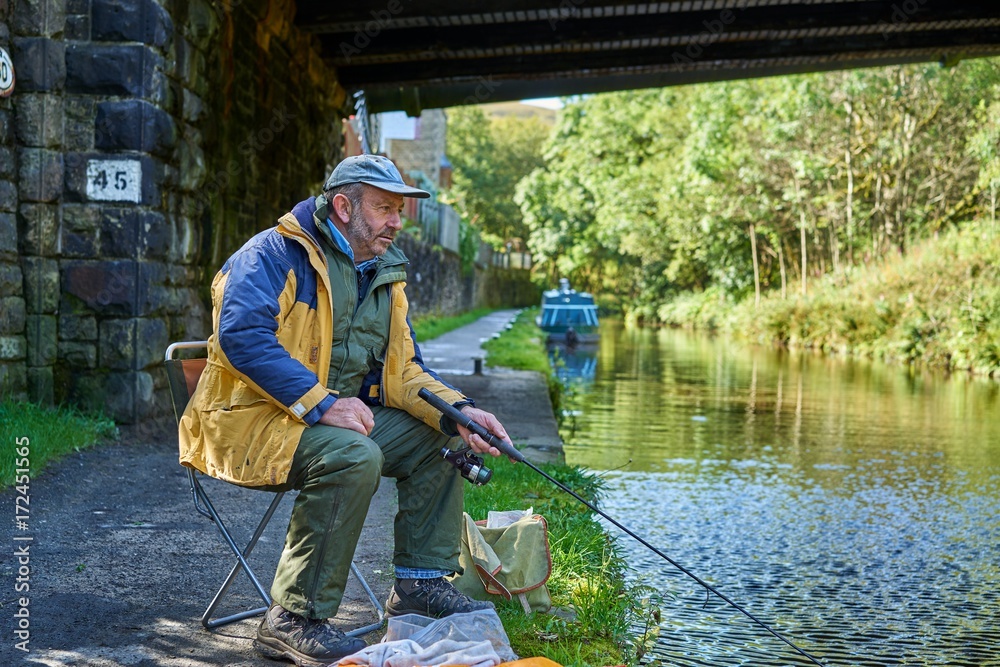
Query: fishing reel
{"x": 468, "y": 464}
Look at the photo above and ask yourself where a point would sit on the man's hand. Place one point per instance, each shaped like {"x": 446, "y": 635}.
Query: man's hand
{"x": 492, "y": 425}
{"x": 350, "y": 413}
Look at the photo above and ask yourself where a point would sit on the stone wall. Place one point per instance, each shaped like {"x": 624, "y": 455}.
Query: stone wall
{"x": 145, "y": 141}
{"x": 437, "y": 284}
{"x": 13, "y": 311}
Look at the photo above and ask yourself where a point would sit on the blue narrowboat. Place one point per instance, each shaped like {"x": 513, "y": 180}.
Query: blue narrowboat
{"x": 568, "y": 317}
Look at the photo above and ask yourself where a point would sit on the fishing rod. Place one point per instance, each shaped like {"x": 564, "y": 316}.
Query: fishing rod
{"x": 462, "y": 420}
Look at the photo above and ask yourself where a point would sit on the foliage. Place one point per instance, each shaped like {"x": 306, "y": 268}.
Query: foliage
{"x": 588, "y": 571}
{"x": 489, "y": 156}
{"x": 746, "y": 188}
{"x": 51, "y": 432}
{"x": 939, "y": 304}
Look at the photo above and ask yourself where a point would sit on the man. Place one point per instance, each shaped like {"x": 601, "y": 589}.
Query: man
{"x": 311, "y": 383}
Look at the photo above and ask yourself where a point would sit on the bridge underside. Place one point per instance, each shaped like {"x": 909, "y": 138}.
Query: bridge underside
{"x": 417, "y": 54}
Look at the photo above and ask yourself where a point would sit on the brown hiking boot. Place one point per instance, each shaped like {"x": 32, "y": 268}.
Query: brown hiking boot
{"x": 430, "y": 597}
{"x": 306, "y": 642}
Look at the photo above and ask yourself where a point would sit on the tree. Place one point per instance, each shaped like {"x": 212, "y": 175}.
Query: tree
{"x": 489, "y": 156}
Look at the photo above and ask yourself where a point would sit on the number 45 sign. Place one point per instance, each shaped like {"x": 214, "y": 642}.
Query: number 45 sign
{"x": 114, "y": 180}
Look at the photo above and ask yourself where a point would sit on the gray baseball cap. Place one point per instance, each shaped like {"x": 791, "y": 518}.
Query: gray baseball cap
{"x": 374, "y": 170}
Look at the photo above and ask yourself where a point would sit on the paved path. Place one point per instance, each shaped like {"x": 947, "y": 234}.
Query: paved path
{"x": 121, "y": 566}
{"x": 452, "y": 353}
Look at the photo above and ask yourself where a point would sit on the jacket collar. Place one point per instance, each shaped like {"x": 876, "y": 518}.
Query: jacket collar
{"x": 305, "y": 214}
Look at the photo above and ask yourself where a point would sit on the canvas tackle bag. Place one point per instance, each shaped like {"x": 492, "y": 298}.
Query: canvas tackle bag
{"x": 512, "y": 560}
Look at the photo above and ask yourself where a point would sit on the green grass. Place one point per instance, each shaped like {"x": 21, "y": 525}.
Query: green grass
{"x": 522, "y": 347}
{"x": 429, "y": 327}
{"x": 588, "y": 571}
{"x": 48, "y": 433}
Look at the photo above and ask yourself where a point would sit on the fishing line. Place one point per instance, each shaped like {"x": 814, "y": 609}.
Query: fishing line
{"x": 462, "y": 420}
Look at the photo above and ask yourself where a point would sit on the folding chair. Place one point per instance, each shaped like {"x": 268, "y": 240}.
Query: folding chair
{"x": 182, "y": 376}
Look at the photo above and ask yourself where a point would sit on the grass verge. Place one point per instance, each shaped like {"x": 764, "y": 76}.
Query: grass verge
{"x": 588, "y": 571}
{"x": 522, "y": 348}
{"x": 48, "y": 433}
{"x": 938, "y": 305}
{"x": 429, "y": 327}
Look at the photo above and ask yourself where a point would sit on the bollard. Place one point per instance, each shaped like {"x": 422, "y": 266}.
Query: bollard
{"x": 478, "y": 365}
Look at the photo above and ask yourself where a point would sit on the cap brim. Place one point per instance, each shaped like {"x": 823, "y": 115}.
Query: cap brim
{"x": 399, "y": 189}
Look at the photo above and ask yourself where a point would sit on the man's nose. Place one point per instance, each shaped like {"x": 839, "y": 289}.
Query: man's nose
{"x": 396, "y": 220}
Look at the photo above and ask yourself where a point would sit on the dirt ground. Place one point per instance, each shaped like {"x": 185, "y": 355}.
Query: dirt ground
{"x": 122, "y": 567}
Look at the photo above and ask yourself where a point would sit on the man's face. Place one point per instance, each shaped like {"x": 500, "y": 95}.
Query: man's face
{"x": 372, "y": 229}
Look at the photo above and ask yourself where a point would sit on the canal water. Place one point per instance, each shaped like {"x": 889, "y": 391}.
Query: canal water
{"x": 853, "y": 506}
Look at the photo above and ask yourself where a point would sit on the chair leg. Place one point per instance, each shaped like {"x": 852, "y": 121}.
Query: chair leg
{"x": 205, "y": 507}
{"x": 241, "y": 562}
{"x": 364, "y": 630}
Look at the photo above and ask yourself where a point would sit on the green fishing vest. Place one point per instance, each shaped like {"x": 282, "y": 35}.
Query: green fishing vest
{"x": 360, "y": 332}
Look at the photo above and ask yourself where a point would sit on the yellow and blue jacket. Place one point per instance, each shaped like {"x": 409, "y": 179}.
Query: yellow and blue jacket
{"x": 269, "y": 355}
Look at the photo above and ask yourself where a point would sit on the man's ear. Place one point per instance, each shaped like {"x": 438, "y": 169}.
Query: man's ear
{"x": 341, "y": 209}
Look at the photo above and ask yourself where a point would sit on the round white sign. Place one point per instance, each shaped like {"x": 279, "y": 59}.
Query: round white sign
{"x": 6, "y": 73}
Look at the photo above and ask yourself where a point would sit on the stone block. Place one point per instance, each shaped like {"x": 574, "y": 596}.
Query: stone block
{"x": 40, "y": 63}
{"x": 12, "y": 315}
{"x": 77, "y": 327}
{"x": 14, "y": 380}
{"x": 6, "y": 126}
{"x": 79, "y": 244}
{"x": 7, "y": 164}
{"x": 192, "y": 164}
{"x": 132, "y": 344}
{"x": 42, "y": 341}
{"x": 77, "y": 6}
{"x": 41, "y": 387}
{"x": 129, "y": 396}
{"x": 11, "y": 280}
{"x": 8, "y": 233}
{"x": 78, "y": 27}
{"x": 13, "y": 348}
{"x": 38, "y": 227}
{"x": 107, "y": 287}
{"x": 78, "y": 355}
{"x": 41, "y": 284}
{"x": 38, "y": 17}
{"x": 136, "y": 21}
{"x": 78, "y": 124}
{"x": 8, "y": 196}
{"x": 202, "y": 23}
{"x": 134, "y": 125}
{"x": 82, "y": 217}
{"x": 117, "y": 344}
{"x": 39, "y": 120}
{"x": 131, "y": 70}
{"x": 40, "y": 174}
{"x": 191, "y": 106}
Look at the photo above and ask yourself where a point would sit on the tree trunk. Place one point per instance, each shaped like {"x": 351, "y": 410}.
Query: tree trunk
{"x": 756, "y": 268}
{"x": 781, "y": 267}
{"x": 849, "y": 159}
{"x": 802, "y": 244}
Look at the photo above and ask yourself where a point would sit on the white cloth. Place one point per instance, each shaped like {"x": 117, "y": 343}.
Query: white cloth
{"x": 408, "y": 653}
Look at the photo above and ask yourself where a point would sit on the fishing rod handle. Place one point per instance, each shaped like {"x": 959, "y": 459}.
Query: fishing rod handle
{"x": 456, "y": 415}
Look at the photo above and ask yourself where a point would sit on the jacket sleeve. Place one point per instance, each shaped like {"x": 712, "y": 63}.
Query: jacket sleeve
{"x": 406, "y": 374}
{"x": 255, "y": 288}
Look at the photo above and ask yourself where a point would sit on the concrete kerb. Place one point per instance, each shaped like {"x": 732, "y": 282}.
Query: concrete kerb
{"x": 123, "y": 567}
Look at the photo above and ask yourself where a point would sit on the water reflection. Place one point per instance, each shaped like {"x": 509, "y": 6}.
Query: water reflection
{"x": 854, "y": 505}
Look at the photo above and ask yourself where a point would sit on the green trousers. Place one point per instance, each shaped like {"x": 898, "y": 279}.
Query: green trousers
{"x": 337, "y": 471}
